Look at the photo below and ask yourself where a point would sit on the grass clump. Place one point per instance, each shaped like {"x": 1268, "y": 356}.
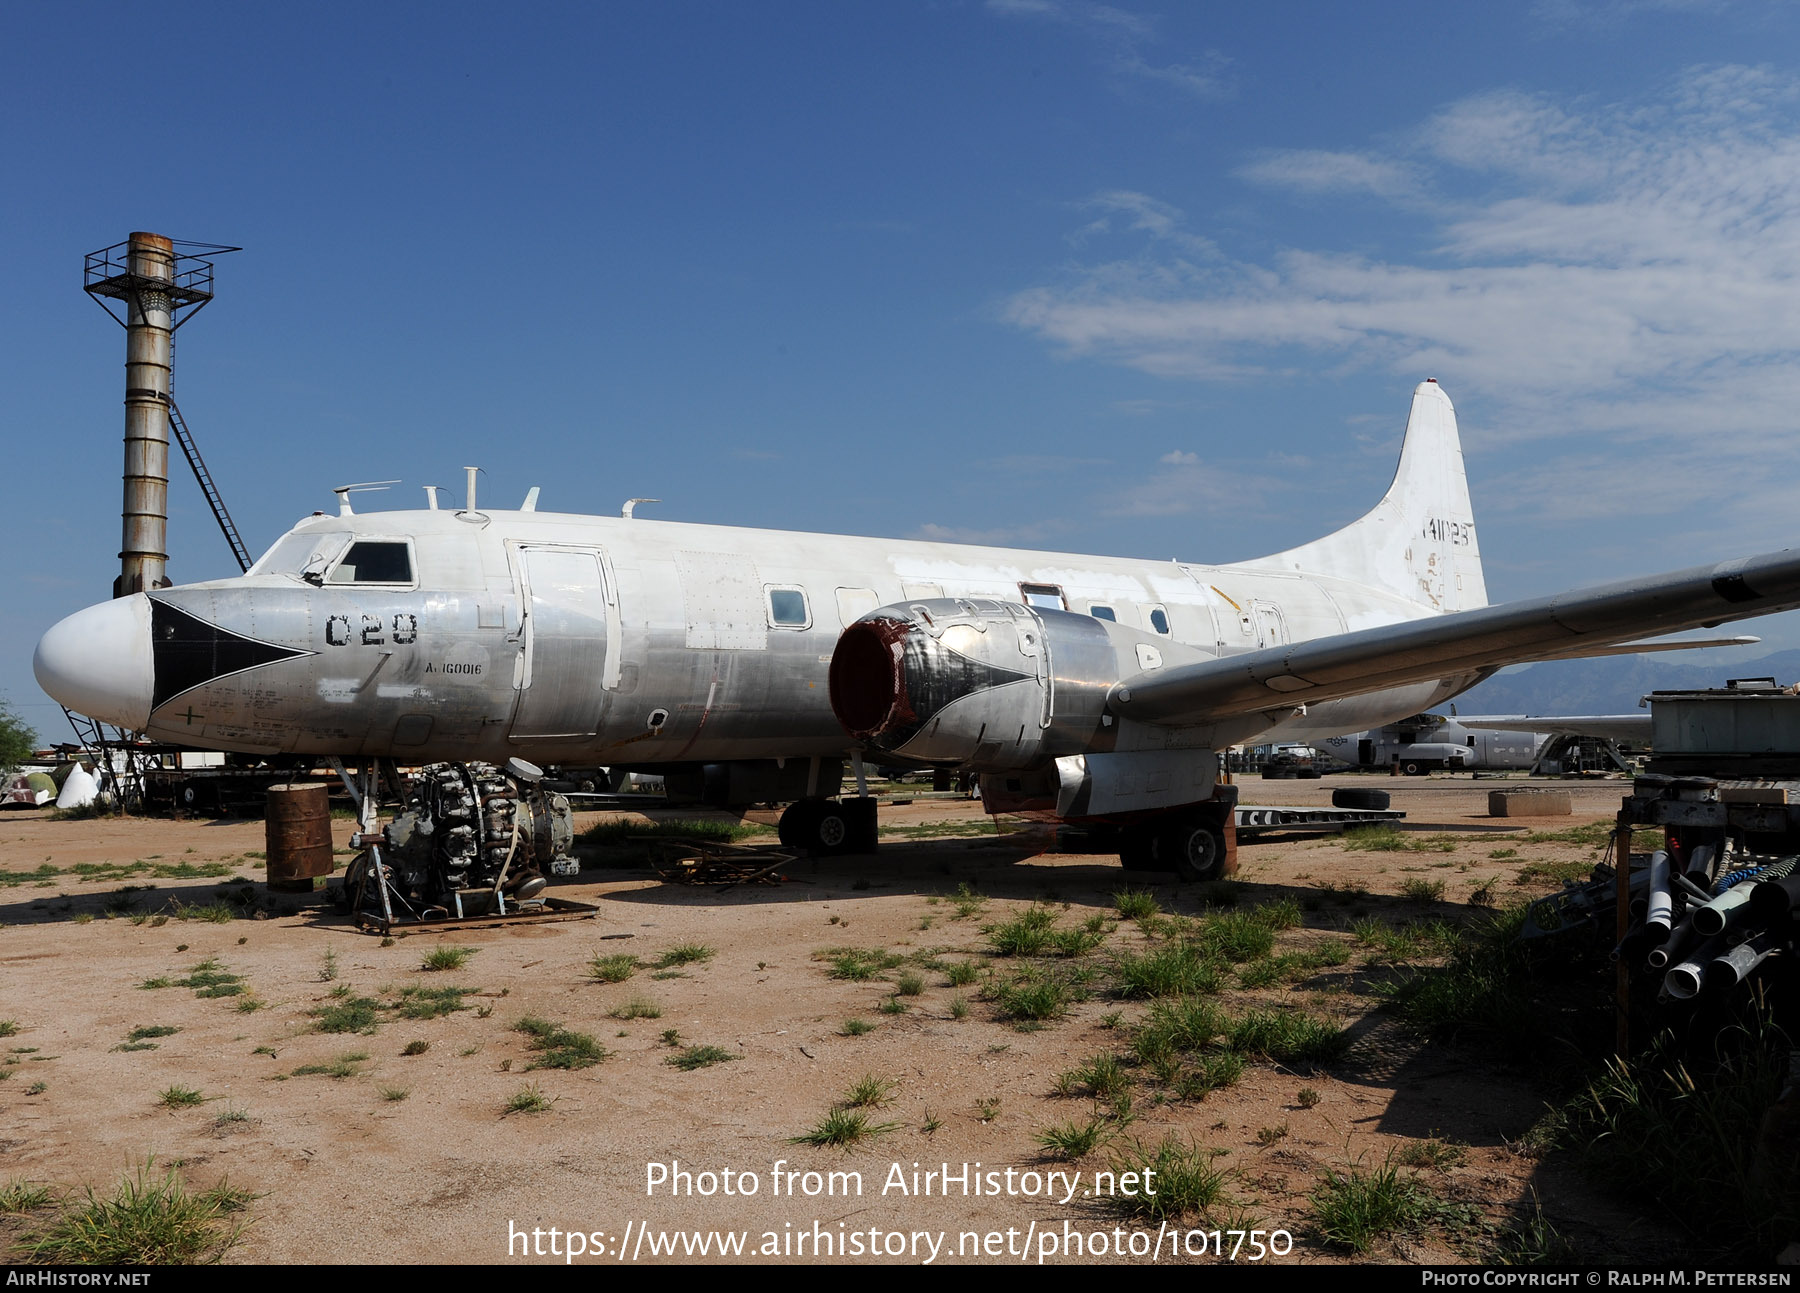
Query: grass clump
{"x": 529, "y": 1098}
{"x": 419, "y": 1002}
{"x": 869, "y": 1092}
{"x": 347, "y": 1014}
{"x": 1172, "y": 970}
{"x": 963, "y": 973}
{"x": 558, "y": 1047}
{"x": 1101, "y": 1077}
{"x": 1035, "y": 997}
{"x": 1417, "y": 889}
{"x": 909, "y": 984}
{"x": 1136, "y": 904}
{"x": 844, "y": 1128}
{"x": 1353, "y": 1209}
{"x": 856, "y": 1027}
{"x": 1237, "y": 936}
{"x": 416, "y": 1047}
{"x": 155, "y": 1030}
{"x": 613, "y": 969}
{"x": 1179, "y": 1026}
{"x": 1027, "y": 934}
{"x": 699, "y": 1057}
{"x": 1186, "y": 1180}
{"x": 637, "y": 1008}
{"x": 1382, "y": 838}
{"x": 447, "y": 958}
{"x": 1073, "y": 1140}
{"x": 180, "y": 1097}
{"x": 684, "y": 954}
{"x": 344, "y": 1066}
{"x": 858, "y": 965}
{"x": 1287, "y": 1037}
{"x": 23, "y": 1196}
{"x": 150, "y": 1219}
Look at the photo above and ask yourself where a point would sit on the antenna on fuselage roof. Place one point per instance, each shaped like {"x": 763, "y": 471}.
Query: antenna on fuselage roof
{"x": 343, "y": 493}
{"x": 631, "y": 506}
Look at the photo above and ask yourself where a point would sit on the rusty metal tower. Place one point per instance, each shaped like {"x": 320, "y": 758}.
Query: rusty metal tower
{"x": 160, "y": 288}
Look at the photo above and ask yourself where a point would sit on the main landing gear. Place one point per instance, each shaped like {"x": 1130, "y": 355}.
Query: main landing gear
{"x": 1198, "y": 842}
{"x": 829, "y": 827}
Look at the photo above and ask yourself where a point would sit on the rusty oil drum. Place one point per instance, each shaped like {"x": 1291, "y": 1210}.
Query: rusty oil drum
{"x": 297, "y": 825}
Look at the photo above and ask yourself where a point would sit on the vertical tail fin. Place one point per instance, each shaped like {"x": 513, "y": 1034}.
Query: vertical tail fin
{"x": 1419, "y": 540}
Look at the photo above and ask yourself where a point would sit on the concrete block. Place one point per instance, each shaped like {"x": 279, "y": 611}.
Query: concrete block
{"x": 1529, "y": 803}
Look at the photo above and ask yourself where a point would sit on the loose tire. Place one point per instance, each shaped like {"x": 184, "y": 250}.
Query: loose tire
{"x": 1413, "y": 770}
{"x": 1360, "y": 797}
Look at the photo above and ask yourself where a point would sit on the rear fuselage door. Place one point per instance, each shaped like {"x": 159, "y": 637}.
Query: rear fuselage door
{"x": 566, "y": 646}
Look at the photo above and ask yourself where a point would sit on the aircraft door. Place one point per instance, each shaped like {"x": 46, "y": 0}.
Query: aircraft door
{"x": 1271, "y": 625}
{"x": 566, "y": 646}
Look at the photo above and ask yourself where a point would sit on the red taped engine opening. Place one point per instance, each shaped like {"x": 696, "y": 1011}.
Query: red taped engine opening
{"x": 866, "y": 682}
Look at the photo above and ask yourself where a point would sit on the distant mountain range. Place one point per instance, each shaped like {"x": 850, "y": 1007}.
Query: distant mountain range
{"x": 1610, "y": 685}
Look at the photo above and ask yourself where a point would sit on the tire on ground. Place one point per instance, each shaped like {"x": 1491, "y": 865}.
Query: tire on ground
{"x": 1360, "y": 797}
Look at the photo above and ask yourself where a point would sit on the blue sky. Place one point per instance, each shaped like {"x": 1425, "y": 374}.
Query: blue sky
{"x": 1149, "y": 280}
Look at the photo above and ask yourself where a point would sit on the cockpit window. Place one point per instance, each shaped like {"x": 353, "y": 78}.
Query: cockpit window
{"x": 296, "y": 553}
{"x": 372, "y": 561}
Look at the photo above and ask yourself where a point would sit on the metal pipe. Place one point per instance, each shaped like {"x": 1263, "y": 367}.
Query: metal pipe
{"x": 149, "y": 357}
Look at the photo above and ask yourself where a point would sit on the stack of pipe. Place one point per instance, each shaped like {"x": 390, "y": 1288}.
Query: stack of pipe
{"x": 1727, "y": 928}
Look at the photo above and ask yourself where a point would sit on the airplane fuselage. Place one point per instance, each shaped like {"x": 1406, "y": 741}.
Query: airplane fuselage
{"x": 613, "y": 641}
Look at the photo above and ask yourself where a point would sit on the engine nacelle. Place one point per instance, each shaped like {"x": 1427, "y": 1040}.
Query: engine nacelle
{"x": 986, "y": 685}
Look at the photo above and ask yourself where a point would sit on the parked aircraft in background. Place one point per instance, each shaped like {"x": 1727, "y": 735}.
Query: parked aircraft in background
{"x": 1425, "y": 742}
{"x": 747, "y": 665}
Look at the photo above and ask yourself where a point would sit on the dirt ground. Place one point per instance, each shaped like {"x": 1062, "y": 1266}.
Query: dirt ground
{"x": 414, "y": 1157}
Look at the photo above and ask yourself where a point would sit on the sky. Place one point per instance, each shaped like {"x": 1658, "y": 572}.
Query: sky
{"x": 1149, "y": 280}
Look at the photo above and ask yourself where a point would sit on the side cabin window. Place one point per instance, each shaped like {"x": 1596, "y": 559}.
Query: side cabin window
{"x": 374, "y": 561}
{"x": 1049, "y": 596}
{"x": 787, "y": 607}
{"x": 1103, "y": 613}
{"x": 1158, "y": 619}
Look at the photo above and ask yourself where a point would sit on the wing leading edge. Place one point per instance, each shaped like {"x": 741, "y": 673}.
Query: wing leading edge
{"x": 1549, "y": 628}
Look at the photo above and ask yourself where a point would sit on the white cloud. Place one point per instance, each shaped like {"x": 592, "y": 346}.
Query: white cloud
{"x": 1624, "y": 271}
{"x": 1179, "y": 458}
{"x": 1122, "y": 37}
{"x": 1315, "y": 170}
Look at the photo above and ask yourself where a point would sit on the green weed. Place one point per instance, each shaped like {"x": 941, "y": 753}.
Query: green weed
{"x": 150, "y": 1219}
{"x": 699, "y": 1057}
{"x": 447, "y": 958}
{"x": 613, "y": 969}
{"x": 843, "y": 1128}
{"x": 559, "y": 1047}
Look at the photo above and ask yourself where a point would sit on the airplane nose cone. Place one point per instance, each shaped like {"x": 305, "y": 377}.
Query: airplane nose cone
{"x": 97, "y": 662}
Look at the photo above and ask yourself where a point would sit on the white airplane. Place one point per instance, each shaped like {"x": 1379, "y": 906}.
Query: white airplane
{"x": 748, "y": 664}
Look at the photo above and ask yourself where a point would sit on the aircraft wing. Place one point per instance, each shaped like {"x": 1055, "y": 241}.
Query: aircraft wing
{"x": 1549, "y": 628}
{"x": 1612, "y": 727}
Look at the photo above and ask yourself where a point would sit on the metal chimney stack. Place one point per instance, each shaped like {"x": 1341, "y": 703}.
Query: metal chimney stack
{"x": 161, "y": 289}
